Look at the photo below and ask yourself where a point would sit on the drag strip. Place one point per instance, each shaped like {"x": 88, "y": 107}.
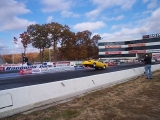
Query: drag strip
{"x": 17, "y": 80}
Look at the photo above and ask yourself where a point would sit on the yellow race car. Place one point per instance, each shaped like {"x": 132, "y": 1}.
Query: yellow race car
{"x": 97, "y": 64}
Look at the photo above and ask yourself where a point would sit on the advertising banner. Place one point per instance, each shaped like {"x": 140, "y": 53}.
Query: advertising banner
{"x": 153, "y": 51}
{"x": 113, "y": 46}
{"x": 136, "y": 45}
{"x": 2, "y": 68}
{"x": 26, "y": 71}
{"x": 151, "y": 36}
{"x": 9, "y": 68}
{"x": 136, "y": 51}
{"x": 58, "y": 64}
{"x": 156, "y": 56}
{"x": 114, "y": 52}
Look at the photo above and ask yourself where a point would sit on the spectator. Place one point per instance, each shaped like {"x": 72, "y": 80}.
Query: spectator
{"x": 148, "y": 72}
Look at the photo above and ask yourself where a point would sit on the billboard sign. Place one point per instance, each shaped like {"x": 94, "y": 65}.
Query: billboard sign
{"x": 113, "y": 46}
{"x": 114, "y": 52}
{"x": 136, "y": 51}
{"x": 151, "y": 36}
{"x": 136, "y": 45}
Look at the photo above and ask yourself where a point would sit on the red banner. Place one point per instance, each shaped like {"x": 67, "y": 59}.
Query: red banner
{"x": 115, "y": 52}
{"x": 2, "y": 68}
{"x": 113, "y": 46}
{"x": 156, "y": 56}
{"x": 136, "y": 45}
{"x": 136, "y": 51}
{"x": 67, "y": 63}
{"x": 26, "y": 71}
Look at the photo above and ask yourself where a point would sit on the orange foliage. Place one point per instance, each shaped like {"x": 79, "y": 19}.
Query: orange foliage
{"x": 17, "y": 58}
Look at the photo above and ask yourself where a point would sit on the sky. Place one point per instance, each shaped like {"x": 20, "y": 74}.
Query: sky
{"x": 111, "y": 19}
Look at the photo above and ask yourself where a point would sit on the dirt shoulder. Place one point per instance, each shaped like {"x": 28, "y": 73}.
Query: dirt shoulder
{"x": 138, "y": 99}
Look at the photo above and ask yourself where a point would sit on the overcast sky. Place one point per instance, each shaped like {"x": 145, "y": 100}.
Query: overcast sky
{"x": 112, "y": 19}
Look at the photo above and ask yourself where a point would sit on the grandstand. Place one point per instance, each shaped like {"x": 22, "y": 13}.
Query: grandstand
{"x": 2, "y": 61}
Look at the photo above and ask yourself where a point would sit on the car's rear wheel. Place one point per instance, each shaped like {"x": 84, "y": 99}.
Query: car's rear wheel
{"x": 94, "y": 64}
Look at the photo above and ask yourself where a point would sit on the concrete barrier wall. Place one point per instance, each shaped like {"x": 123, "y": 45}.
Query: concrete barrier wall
{"x": 18, "y": 100}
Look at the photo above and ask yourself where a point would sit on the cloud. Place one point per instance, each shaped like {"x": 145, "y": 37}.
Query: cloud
{"x": 4, "y": 49}
{"x": 76, "y": 15}
{"x": 2, "y": 46}
{"x": 124, "y": 34}
{"x": 119, "y": 26}
{"x": 152, "y": 4}
{"x": 62, "y": 6}
{"x": 56, "y": 5}
{"x": 49, "y": 19}
{"x": 89, "y": 26}
{"x": 153, "y": 23}
{"x": 120, "y": 17}
{"x": 12, "y": 8}
{"x": 145, "y": 1}
{"x": 15, "y": 23}
{"x": 105, "y": 4}
{"x": 144, "y": 26}
{"x": 93, "y": 14}
{"x": 9, "y": 10}
{"x": 124, "y": 4}
{"x": 66, "y": 14}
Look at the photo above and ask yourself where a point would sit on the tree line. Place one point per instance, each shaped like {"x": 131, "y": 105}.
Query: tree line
{"x": 66, "y": 44}
{"x": 33, "y": 57}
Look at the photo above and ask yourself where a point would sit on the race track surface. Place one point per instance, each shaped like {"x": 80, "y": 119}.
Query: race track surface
{"x": 10, "y": 80}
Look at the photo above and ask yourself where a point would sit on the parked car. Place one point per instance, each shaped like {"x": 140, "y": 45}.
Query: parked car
{"x": 111, "y": 63}
{"x": 97, "y": 64}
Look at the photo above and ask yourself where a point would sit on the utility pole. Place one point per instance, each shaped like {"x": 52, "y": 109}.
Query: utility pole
{"x": 13, "y": 58}
{"x": 49, "y": 55}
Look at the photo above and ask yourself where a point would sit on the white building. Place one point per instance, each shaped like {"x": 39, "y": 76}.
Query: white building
{"x": 130, "y": 49}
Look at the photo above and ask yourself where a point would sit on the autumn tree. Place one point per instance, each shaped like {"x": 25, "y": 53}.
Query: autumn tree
{"x": 87, "y": 45}
{"x": 83, "y": 43}
{"x": 12, "y": 58}
{"x": 8, "y": 58}
{"x": 33, "y": 56}
{"x": 56, "y": 33}
{"x": 68, "y": 45}
{"x": 48, "y": 55}
{"x": 17, "y": 58}
{"x": 25, "y": 40}
{"x": 39, "y": 37}
{"x": 94, "y": 45}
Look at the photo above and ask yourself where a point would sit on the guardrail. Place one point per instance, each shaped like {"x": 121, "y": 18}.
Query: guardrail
{"x": 13, "y": 101}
